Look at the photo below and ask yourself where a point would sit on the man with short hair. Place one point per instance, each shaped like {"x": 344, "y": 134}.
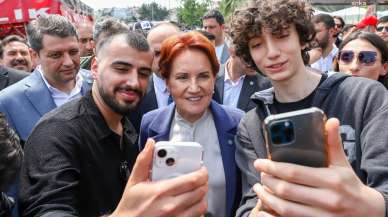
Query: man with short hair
{"x": 236, "y": 82}
{"x": 85, "y": 37}
{"x": 90, "y": 149}
{"x": 382, "y": 28}
{"x": 15, "y": 53}
{"x": 54, "y": 82}
{"x": 101, "y": 30}
{"x": 157, "y": 95}
{"x": 325, "y": 38}
{"x": 213, "y": 22}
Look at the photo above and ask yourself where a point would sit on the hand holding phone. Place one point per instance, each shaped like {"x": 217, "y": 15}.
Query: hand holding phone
{"x": 297, "y": 137}
{"x": 172, "y": 159}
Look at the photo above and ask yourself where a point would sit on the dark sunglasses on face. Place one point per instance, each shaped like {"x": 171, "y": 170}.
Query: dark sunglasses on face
{"x": 381, "y": 28}
{"x": 364, "y": 57}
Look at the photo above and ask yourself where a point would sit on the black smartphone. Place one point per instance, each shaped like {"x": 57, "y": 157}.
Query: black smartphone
{"x": 297, "y": 137}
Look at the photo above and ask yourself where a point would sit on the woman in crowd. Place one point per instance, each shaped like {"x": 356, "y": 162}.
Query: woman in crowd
{"x": 364, "y": 54}
{"x": 189, "y": 65}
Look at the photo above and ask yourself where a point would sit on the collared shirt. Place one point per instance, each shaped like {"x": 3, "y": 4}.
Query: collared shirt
{"x": 161, "y": 91}
{"x": 219, "y": 50}
{"x": 74, "y": 164}
{"x": 232, "y": 89}
{"x": 204, "y": 132}
{"x": 59, "y": 96}
{"x": 326, "y": 64}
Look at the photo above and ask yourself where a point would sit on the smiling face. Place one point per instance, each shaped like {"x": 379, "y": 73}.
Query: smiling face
{"x": 355, "y": 68}
{"x": 121, "y": 74}
{"x": 277, "y": 56}
{"x": 17, "y": 55}
{"x": 191, "y": 83}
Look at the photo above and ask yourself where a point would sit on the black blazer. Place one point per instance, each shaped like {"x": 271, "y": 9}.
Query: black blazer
{"x": 251, "y": 84}
{"x": 10, "y": 76}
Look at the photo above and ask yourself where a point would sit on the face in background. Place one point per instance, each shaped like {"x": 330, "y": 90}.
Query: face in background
{"x": 60, "y": 61}
{"x": 155, "y": 38}
{"x": 338, "y": 27}
{"x": 191, "y": 83}
{"x": 211, "y": 25}
{"x": 17, "y": 55}
{"x": 323, "y": 35}
{"x": 121, "y": 74}
{"x": 382, "y": 31}
{"x": 277, "y": 56}
{"x": 85, "y": 35}
{"x": 355, "y": 68}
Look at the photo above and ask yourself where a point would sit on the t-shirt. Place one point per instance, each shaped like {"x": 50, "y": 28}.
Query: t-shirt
{"x": 304, "y": 103}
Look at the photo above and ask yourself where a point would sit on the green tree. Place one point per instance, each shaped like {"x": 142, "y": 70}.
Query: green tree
{"x": 227, "y": 7}
{"x": 152, "y": 11}
{"x": 191, "y": 12}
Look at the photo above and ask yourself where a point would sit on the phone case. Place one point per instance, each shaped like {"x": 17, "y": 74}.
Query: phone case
{"x": 177, "y": 158}
{"x": 308, "y": 145}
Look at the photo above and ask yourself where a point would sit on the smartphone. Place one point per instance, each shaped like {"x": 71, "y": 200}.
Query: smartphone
{"x": 297, "y": 137}
{"x": 172, "y": 159}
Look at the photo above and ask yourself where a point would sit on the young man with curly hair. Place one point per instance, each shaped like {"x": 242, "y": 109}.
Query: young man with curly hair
{"x": 271, "y": 36}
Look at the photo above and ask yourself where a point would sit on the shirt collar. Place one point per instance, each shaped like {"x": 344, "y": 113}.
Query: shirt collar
{"x": 159, "y": 83}
{"x": 181, "y": 120}
{"x": 53, "y": 90}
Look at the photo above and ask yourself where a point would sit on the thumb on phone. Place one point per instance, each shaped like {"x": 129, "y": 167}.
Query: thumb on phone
{"x": 140, "y": 171}
{"x": 335, "y": 150}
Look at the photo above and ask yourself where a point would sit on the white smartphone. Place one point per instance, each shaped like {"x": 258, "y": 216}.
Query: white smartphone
{"x": 172, "y": 159}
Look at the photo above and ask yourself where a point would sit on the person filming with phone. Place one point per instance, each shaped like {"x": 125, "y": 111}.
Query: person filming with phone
{"x": 271, "y": 36}
{"x": 189, "y": 65}
{"x": 82, "y": 158}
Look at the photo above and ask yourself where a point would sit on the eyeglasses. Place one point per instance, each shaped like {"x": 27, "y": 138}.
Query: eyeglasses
{"x": 367, "y": 58}
{"x": 381, "y": 28}
{"x": 338, "y": 25}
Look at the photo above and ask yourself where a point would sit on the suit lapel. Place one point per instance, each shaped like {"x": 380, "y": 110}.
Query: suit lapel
{"x": 38, "y": 94}
{"x": 248, "y": 88}
{"x": 4, "y": 78}
{"x": 160, "y": 126}
{"x": 220, "y": 83}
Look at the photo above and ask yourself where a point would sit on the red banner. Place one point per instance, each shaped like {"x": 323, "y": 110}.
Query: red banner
{"x": 20, "y": 11}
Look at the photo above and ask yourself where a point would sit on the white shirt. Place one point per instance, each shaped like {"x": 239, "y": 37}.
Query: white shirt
{"x": 161, "y": 91}
{"x": 59, "y": 96}
{"x": 204, "y": 132}
{"x": 232, "y": 89}
{"x": 326, "y": 64}
{"x": 219, "y": 50}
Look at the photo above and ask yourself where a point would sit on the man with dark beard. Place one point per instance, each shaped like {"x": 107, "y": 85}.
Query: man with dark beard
{"x": 79, "y": 156}
{"x": 324, "y": 27}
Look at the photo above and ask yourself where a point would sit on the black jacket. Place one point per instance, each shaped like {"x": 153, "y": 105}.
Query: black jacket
{"x": 9, "y": 76}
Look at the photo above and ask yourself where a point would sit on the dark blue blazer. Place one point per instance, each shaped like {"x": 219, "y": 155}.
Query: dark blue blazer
{"x": 26, "y": 101}
{"x": 156, "y": 124}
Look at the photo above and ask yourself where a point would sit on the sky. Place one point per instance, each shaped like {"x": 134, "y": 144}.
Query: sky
{"x": 97, "y": 4}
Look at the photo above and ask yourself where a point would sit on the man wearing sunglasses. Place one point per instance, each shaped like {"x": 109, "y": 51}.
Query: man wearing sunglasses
{"x": 382, "y": 28}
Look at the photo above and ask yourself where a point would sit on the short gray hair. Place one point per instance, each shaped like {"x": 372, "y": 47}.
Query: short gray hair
{"x": 133, "y": 39}
{"x": 53, "y": 25}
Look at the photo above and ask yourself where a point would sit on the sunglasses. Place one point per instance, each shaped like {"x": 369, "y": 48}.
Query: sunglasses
{"x": 367, "y": 58}
{"x": 381, "y": 28}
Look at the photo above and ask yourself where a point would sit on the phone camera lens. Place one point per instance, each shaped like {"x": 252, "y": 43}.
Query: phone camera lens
{"x": 162, "y": 153}
{"x": 170, "y": 161}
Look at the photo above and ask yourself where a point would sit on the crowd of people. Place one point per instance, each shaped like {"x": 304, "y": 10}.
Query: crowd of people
{"x": 82, "y": 106}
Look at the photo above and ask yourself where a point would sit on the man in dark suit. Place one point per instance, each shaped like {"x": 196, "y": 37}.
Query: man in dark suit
{"x": 157, "y": 95}
{"x": 236, "y": 83}
{"x": 9, "y": 76}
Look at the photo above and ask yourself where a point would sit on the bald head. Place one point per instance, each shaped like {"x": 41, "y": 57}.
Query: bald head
{"x": 155, "y": 38}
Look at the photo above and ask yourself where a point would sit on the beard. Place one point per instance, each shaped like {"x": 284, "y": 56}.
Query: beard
{"x": 120, "y": 108}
